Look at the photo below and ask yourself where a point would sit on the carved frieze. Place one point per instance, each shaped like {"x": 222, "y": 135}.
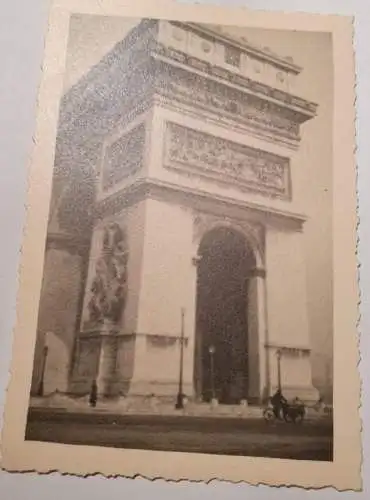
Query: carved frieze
{"x": 307, "y": 108}
{"x": 196, "y": 152}
{"x": 164, "y": 341}
{"x": 290, "y": 351}
{"x": 109, "y": 286}
{"x": 123, "y": 157}
{"x": 125, "y": 79}
{"x": 228, "y": 103}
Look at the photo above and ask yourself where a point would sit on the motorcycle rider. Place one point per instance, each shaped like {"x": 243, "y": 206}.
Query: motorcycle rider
{"x": 278, "y": 403}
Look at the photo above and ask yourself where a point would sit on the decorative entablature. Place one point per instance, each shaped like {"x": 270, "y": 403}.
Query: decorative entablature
{"x": 222, "y": 206}
{"x": 113, "y": 92}
{"x": 227, "y": 105}
{"x": 227, "y": 80}
{"x": 188, "y": 64}
{"x": 186, "y": 73}
{"x": 236, "y": 82}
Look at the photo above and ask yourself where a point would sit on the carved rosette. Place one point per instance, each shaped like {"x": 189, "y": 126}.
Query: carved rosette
{"x": 196, "y": 152}
{"x": 253, "y": 232}
{"x": 109, "y": 286}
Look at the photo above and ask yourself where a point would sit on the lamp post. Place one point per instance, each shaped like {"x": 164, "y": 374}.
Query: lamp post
{"x": 212, "y": 351}
{"x": 40, "y": 391}
{"x": 278, "y": 357}
{"x": 180, "y": 396}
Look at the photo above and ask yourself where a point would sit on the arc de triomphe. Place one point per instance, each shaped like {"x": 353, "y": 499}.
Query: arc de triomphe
{"x": 175, "y": 190}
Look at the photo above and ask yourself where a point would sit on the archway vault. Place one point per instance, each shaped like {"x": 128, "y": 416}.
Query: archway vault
{"x": 227, "y": 259}
{"x": 252, "y": 232}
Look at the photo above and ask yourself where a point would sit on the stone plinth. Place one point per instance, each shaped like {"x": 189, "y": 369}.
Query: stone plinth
{"x": 157, "y": 367}
{"x": 95, "y": 360}
{"x": 288, "y": 330}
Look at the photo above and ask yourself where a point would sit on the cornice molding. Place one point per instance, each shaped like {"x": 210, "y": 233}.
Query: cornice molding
{"x": 303, "y": 108}
{"x": 130, "y": 66}
{"x": 66, "y": 242}
{"x": 149, "y": 188}
{"x": 160, "y": 340}
{"x": 228, "y": 121}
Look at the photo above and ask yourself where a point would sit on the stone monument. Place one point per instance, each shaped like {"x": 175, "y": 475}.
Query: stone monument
{"x": 176, "y": 187}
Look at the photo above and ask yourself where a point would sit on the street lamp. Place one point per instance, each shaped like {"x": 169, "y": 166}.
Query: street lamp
{"x": 40, "y": 391}
{"x": 212, "y": 351}
{"x": 180, "y": 396}
{"x": 278, "y": 356}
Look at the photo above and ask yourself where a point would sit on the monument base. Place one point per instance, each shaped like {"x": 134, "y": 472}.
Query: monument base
{"x": 308, "y": 394}
{"x": 159, "y": 389}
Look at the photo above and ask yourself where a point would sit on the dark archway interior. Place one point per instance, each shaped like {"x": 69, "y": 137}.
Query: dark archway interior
{"x": 222, "y": 321}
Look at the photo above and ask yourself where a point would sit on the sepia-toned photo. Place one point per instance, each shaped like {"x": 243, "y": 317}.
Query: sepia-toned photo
{"x": 186, "y": 287}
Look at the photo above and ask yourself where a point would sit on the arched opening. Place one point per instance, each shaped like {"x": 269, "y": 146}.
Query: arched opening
{"x": 221, "y": 347}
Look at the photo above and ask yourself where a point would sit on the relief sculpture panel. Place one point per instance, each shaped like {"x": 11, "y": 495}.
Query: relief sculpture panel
{"x": 123, "y": 157}
{"x": 109, "y": 286}
{"x": 200, "y": 153}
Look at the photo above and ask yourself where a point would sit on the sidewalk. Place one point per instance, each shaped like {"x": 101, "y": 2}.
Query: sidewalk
{"x": 141, "y": 406}
{"x": 152, "y": 406}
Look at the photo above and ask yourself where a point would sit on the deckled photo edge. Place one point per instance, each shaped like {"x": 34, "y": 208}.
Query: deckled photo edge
{"x": 39, "y": 192}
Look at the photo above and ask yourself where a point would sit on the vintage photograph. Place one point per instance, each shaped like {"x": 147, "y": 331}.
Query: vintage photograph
{"x": 188, "y": 294}
{"x": 186, "y": 301}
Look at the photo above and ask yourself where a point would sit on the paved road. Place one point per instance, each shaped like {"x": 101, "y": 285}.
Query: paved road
{"x": 311, "y": 440}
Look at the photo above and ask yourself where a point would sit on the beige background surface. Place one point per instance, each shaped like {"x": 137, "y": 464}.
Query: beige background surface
{"x": 342, "y": 120}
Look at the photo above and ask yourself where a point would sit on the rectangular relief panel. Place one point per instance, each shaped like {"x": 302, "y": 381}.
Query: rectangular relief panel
{"x": 198, "y": 153}
{"x": 123, "y": 157}
{"x": 87, "y": 358}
